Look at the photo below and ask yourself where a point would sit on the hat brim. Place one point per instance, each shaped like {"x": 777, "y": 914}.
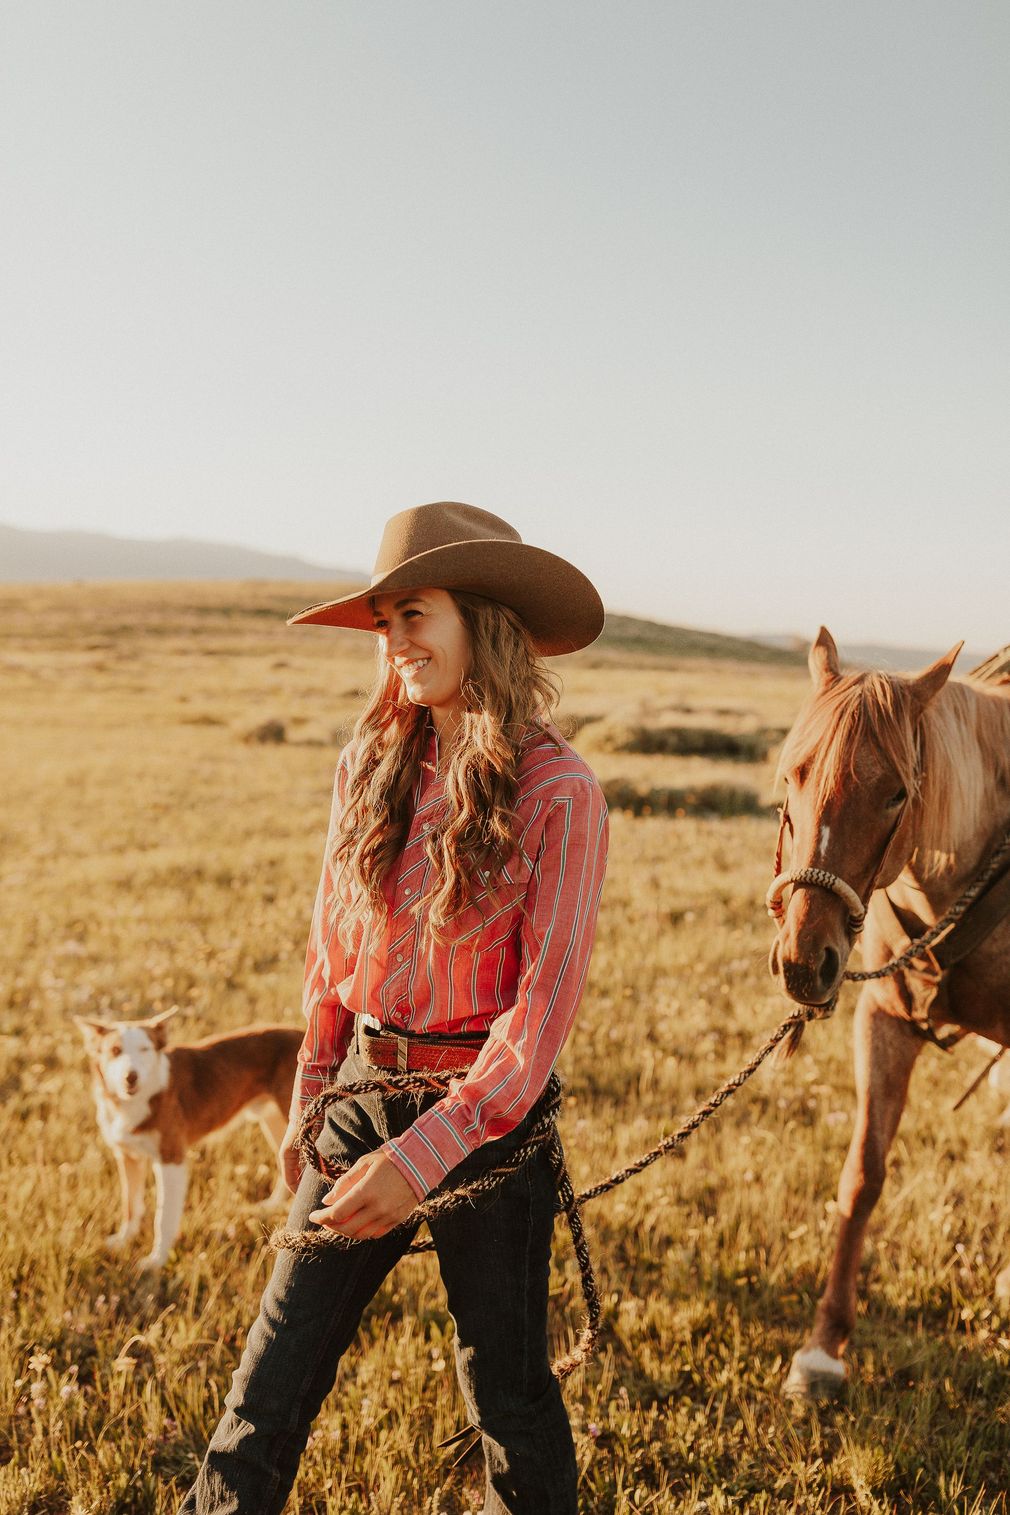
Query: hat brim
{"x": 559, "y": 606}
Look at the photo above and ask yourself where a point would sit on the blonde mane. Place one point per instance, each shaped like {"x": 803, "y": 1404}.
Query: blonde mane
{"x": 951, "y": 760}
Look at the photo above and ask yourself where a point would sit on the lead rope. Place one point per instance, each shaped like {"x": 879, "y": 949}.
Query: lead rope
{"x": 544, "y": 1136}
{"x": 917, "y": 950}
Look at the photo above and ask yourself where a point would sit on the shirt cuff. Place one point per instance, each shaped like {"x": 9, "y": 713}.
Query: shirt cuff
{"x": 427, "y": 1151}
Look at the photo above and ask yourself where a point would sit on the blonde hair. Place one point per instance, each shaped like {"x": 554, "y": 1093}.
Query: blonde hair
{"x": 507, "y": 691}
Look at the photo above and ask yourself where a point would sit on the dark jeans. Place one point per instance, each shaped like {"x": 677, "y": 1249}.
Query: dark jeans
{"x": 494, "y": 1258}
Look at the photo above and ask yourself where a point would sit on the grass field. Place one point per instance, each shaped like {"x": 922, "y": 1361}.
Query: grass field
{"x": 152, "y": 855}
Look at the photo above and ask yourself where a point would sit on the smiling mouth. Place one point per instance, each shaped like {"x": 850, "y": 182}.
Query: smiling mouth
{"x": 407, "y": 669}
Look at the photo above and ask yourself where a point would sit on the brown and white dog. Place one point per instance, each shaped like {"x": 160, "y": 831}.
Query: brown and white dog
{"x": 155, "y": 1101}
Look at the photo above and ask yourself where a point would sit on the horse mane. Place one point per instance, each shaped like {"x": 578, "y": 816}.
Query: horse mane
{"x": 964, "y": 736}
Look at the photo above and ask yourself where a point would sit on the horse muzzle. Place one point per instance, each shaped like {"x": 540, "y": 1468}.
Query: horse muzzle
{"x": 815, "y": 934}
{"x": 812, "y": 980}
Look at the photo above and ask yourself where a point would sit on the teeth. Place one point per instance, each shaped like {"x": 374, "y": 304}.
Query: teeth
{"x": 415, "y": 666}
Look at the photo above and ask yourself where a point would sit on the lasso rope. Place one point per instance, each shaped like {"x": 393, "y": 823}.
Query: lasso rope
{"x": 543, "y": 1136}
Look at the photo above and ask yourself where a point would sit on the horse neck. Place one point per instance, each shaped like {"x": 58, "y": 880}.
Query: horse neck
{"x": 966, "y": 793}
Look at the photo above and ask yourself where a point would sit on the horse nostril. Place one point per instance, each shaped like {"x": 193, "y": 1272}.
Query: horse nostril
{"x": 774, "y": 965}
{"x": 829, "y": 967}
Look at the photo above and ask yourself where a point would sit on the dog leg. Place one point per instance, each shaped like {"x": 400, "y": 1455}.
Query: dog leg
{"x": 131, "y": 1183}
{"x": 170, "y": 1185}
{"x": 273, "y": 1123}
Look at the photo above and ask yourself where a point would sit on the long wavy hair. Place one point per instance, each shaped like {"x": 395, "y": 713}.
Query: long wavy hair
{"x": 507, "y": 691}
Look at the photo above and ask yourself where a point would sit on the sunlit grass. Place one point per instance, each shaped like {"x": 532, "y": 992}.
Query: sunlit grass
{"x": 151, "y": 856}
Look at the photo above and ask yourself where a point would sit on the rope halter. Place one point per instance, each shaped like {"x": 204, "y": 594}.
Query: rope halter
{"x": 821, "y": 879}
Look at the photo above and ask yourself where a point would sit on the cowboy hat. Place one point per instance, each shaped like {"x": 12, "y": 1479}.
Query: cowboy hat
{"x": 452, "y": 546}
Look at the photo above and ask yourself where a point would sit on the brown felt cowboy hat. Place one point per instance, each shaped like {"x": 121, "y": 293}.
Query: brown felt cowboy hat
{"x": 454, "y": 546}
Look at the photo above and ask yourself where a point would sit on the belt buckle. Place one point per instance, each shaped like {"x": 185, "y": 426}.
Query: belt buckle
{"x": 402, "y": 1049}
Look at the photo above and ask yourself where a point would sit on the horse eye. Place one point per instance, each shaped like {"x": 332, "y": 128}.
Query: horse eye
{"x": 897, "y": 799}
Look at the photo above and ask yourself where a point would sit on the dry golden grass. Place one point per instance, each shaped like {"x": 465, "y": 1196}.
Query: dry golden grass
{"x": 151, "y": 856}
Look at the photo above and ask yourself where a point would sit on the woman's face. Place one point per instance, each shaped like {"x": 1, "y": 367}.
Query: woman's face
{"x": 425, "y": 640}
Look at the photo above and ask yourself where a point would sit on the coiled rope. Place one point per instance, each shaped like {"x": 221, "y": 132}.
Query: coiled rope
{"x": 544, "y": 1136}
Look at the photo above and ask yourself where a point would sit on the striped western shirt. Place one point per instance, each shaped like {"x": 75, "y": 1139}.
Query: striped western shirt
{"x": 513, "y": 967}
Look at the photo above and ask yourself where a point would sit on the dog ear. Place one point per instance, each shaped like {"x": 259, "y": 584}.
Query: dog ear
{"x": 155, "y": 1026}
{"x": 92, "y": 1031}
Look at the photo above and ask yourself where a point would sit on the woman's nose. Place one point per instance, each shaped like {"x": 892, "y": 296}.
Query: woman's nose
{"x": 396, "y": 640}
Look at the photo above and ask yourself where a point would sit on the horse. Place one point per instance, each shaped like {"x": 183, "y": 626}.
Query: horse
{"x": 897, "y": 792}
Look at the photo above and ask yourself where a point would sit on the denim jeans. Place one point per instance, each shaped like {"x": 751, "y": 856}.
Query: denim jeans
{"x": 494, "y": 1258}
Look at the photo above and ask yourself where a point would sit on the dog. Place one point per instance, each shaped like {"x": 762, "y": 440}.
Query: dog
{"x": 154, "y": 1101}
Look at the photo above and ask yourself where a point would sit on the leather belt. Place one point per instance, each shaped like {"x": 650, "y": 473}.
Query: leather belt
{"x": 415, "y": 1054}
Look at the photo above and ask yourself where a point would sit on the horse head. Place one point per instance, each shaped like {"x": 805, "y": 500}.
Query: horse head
{"x": 852, "y": 767}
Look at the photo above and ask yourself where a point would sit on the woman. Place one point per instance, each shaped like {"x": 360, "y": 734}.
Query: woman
{"x": 452, "y": 928}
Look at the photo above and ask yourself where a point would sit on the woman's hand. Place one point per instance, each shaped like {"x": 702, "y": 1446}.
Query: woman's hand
{"x": 289, "y": 1159}
{"x": 368, "y": 1200}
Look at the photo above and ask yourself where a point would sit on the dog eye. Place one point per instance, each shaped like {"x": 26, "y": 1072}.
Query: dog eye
{"x": 115, "y": 1051}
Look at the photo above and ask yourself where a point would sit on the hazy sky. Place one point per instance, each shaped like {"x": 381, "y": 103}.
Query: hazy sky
{"x": 711, "y": 298}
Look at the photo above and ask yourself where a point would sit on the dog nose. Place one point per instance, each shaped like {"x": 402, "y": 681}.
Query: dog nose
{"x": 131, "y": 1080}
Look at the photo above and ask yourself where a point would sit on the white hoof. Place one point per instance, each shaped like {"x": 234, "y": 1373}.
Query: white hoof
{"x": 152, "y": 1263}
{"x": 815, "y": 1374}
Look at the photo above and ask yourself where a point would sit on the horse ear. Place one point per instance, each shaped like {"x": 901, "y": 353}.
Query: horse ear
{"x": 926, "y": 686}
{"x": 823, "y": 660}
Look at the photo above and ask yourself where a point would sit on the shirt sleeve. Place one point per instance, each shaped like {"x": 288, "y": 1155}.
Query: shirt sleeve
{"x": 512, "y": 1069}
{"x": 329, "y": 1024}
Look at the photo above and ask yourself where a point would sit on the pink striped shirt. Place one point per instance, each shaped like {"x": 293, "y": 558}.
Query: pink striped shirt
{"x": 514, "y": 968}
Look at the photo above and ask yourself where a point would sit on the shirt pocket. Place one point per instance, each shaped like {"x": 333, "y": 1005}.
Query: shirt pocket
{"x": 493, "y": 915}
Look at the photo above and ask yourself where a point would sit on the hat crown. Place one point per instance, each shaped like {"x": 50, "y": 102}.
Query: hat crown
{"x": 424, "y": 528}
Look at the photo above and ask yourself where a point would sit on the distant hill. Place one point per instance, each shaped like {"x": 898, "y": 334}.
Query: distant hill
{"x": 625, "y": 633}
{"x": 46, "y": 557}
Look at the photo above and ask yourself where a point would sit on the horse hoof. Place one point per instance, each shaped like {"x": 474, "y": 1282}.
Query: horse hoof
{"x": 814, "y": 1374}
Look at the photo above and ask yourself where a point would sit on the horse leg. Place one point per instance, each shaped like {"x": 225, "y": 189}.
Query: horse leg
{"x": 885, "y": 1048}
